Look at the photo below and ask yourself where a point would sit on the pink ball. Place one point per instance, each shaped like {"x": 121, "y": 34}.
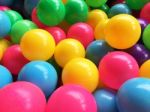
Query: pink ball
{"x": 116, "y": 68}
{"x": 57, "y": 33}
{"x": 82, "y": 32}
{"x": 71, "y": 98}
{"x": 22, "y": 97}
{"x": 13, "y": 59}
{"x": 3, "y": 8}
{"x": 145, "y": 12}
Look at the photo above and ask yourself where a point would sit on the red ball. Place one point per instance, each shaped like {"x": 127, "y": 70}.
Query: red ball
{"x": 4, "y": 8}
{"x": 13, "y": 59}
{"x": 145, "y": 13}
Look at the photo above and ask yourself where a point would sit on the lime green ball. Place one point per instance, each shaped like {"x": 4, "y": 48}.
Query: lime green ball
{"x": 51, "y": 12}
{"x": 20, "y": 28}
{"x": 146, "y": 37}
{"x": 136, "y": 4}
{"x": 13, "y": 16}
{"x": 76, "y": 11}
{"x": 95, "y": 3}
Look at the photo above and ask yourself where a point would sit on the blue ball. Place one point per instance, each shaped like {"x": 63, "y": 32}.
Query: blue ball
{"x": 106, "y": 101}
{"x": 6, "y": 2}
{"x": 5, "y": 24}
{"x": 97, "y": 50}
{"x": 5, "y": 76}
{"x": 41, "y": 74}
{"x": 134, "y": 96}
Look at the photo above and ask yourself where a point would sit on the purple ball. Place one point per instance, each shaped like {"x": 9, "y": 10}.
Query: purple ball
{"x": 143, "y": 23}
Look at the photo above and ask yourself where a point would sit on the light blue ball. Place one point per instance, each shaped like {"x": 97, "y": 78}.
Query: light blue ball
{"x": 106, "y": 101}
{"x": 134, "y": 96}
{"x": 41, "y": 74}
{"x": 5, "y": 24}
{"x": 5, "y": 76}
{"x": 6, "y": 2}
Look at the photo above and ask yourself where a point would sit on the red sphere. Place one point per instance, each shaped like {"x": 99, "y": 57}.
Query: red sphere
{"x": 4, "y": 8}
{"x": 145, "y": 13}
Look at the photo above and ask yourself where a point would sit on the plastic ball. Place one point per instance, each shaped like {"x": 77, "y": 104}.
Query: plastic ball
{"x": 13, "y": 16}
{"x": 119, "y": 67}
{"x": 145, "y": 37}
{"x": 106, "y": 101}
{"x": 119, "y": 9}
{"x": 95, "y": 3}
{"x": 13, "y": 59}
{"x": 4, "y": 44}
{"x": 64, "y": 1}
{"x": 6, "y": 2}
{"x": 51, "y": 12}
{"x": 105, "y": 8}
{"x": 122, "y": 31}
{"x": 5, "y": 77}
{"x": 37, "y": 44}
{"x": 76, "y": 11}
{"x": 96, "y": 16}
{"x": 57, "y": 33}
{"x": 82, "y": 32}
{"x": 77, "y": 70}
{"x": 143, "y": 23}
{"x": 4, "y": 8}
{"x": 144, "y": 69}
{"x": 71, "y": 98}
{"x": 20, "y": 28}
{"x": 97, "y": 50}
{"x": 67, "y": 50}
{"x": 5, "y": 24}
{"x": 145, "y": 12}
{"x": 134, "y": 95}
{"x": 22, "y": 97}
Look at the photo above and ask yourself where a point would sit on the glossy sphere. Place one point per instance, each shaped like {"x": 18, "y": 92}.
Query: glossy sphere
{"x": 5, "y": 24}
{"x": 96, "y": 3}
{"x": 145, "y": 12}
{"x": 106, "y": 101}
{"x": 96, "y": 16}
{"x": 37, "y": 44}
{"x": 145, "y": 37}
{"x": 71, "y": 98}
{"x": 41, "y": 74}
{"x": 6, "y": 2}
{"x": 13, "y": 59}
{"x": 134, "y": 95}
{"x": 57, "y": 33}
{"x": 5, "y": 77}
{"x": 13, "y": 16}
{"x": 20, "y": 28}
{"x": 122, "y": 31}
{"x": 88, "y": 80}
{"x": 105, "y": 8}
{"x": 144, "y": 69}
{"x": 97, "y": 50}
{"x": 119, "y": 67}
{"x": 82, "y": 32}
{"x": 67, "y": 50}
{"x": 22, "y": 97}
{"x": 4, "y": 44}
{"x": 51, "y": 12}
{"x": 4, "y": 8}
{"x": 76, "y": 11}
{"x": 143, "y": 23}
{"x": 119, "y": 9}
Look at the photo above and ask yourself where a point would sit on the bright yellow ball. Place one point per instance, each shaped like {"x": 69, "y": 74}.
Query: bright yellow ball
{"x": 1, "y": 52}
{"x": 122, "y": 31}
{"x": 68, "y": 49}
{"x": 145, "y": 69}
{"x": 4, "y": 44}
{"x": 82, "y": 72}
{"x": 37, "y": 44}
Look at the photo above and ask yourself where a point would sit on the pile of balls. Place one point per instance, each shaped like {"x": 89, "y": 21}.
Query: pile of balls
{"x": 74, "y": 55}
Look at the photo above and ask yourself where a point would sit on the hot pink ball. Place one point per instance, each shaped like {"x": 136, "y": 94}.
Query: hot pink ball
{"x": 116, "y": 68}
{"x": 82, "y": 32}
{"x": 22, "y": 97}
{"x": 13, "y": 59}
{"x": 145, "y": 12}
{"x": 57, "y": 33}
{"x": 3, "y": 8}
{"x": 71, "y": 98}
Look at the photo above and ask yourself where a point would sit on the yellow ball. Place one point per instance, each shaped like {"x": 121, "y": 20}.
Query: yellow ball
{"x": 122, "y": 31}
{"x": 37, "y": 44}
{"x": 82, "y": 72}
{"x": 68, "y": 49}
{"x": 1, "y": 52}
{"x": 95, "y": 16}
{"x": 145, "y": 69}
{"x": 4, "y": 44}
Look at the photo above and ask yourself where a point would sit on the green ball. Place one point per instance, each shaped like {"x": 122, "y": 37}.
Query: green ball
{"x": 13, "y": 16}
{"x": 105, "y": 8}
{"x": 146, "y": 37}
{"x": 95, "y": 3}
{"x": 76, "y": 11}
{"x": 51, "y": 12}
{"x": 136, "y": 4}
{"x": 20, "y": 28}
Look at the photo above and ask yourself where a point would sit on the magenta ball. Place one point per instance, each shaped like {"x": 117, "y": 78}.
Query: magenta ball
{"x": 22, "y": 97}
{"x": 13, "y": 59}
{"x": 57, "y": 33}
{"x": 4, "y": 8}
{"x": 71, "y": 98}
{"x": 116, "y": 68}
{"x": 82, "y": 32}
